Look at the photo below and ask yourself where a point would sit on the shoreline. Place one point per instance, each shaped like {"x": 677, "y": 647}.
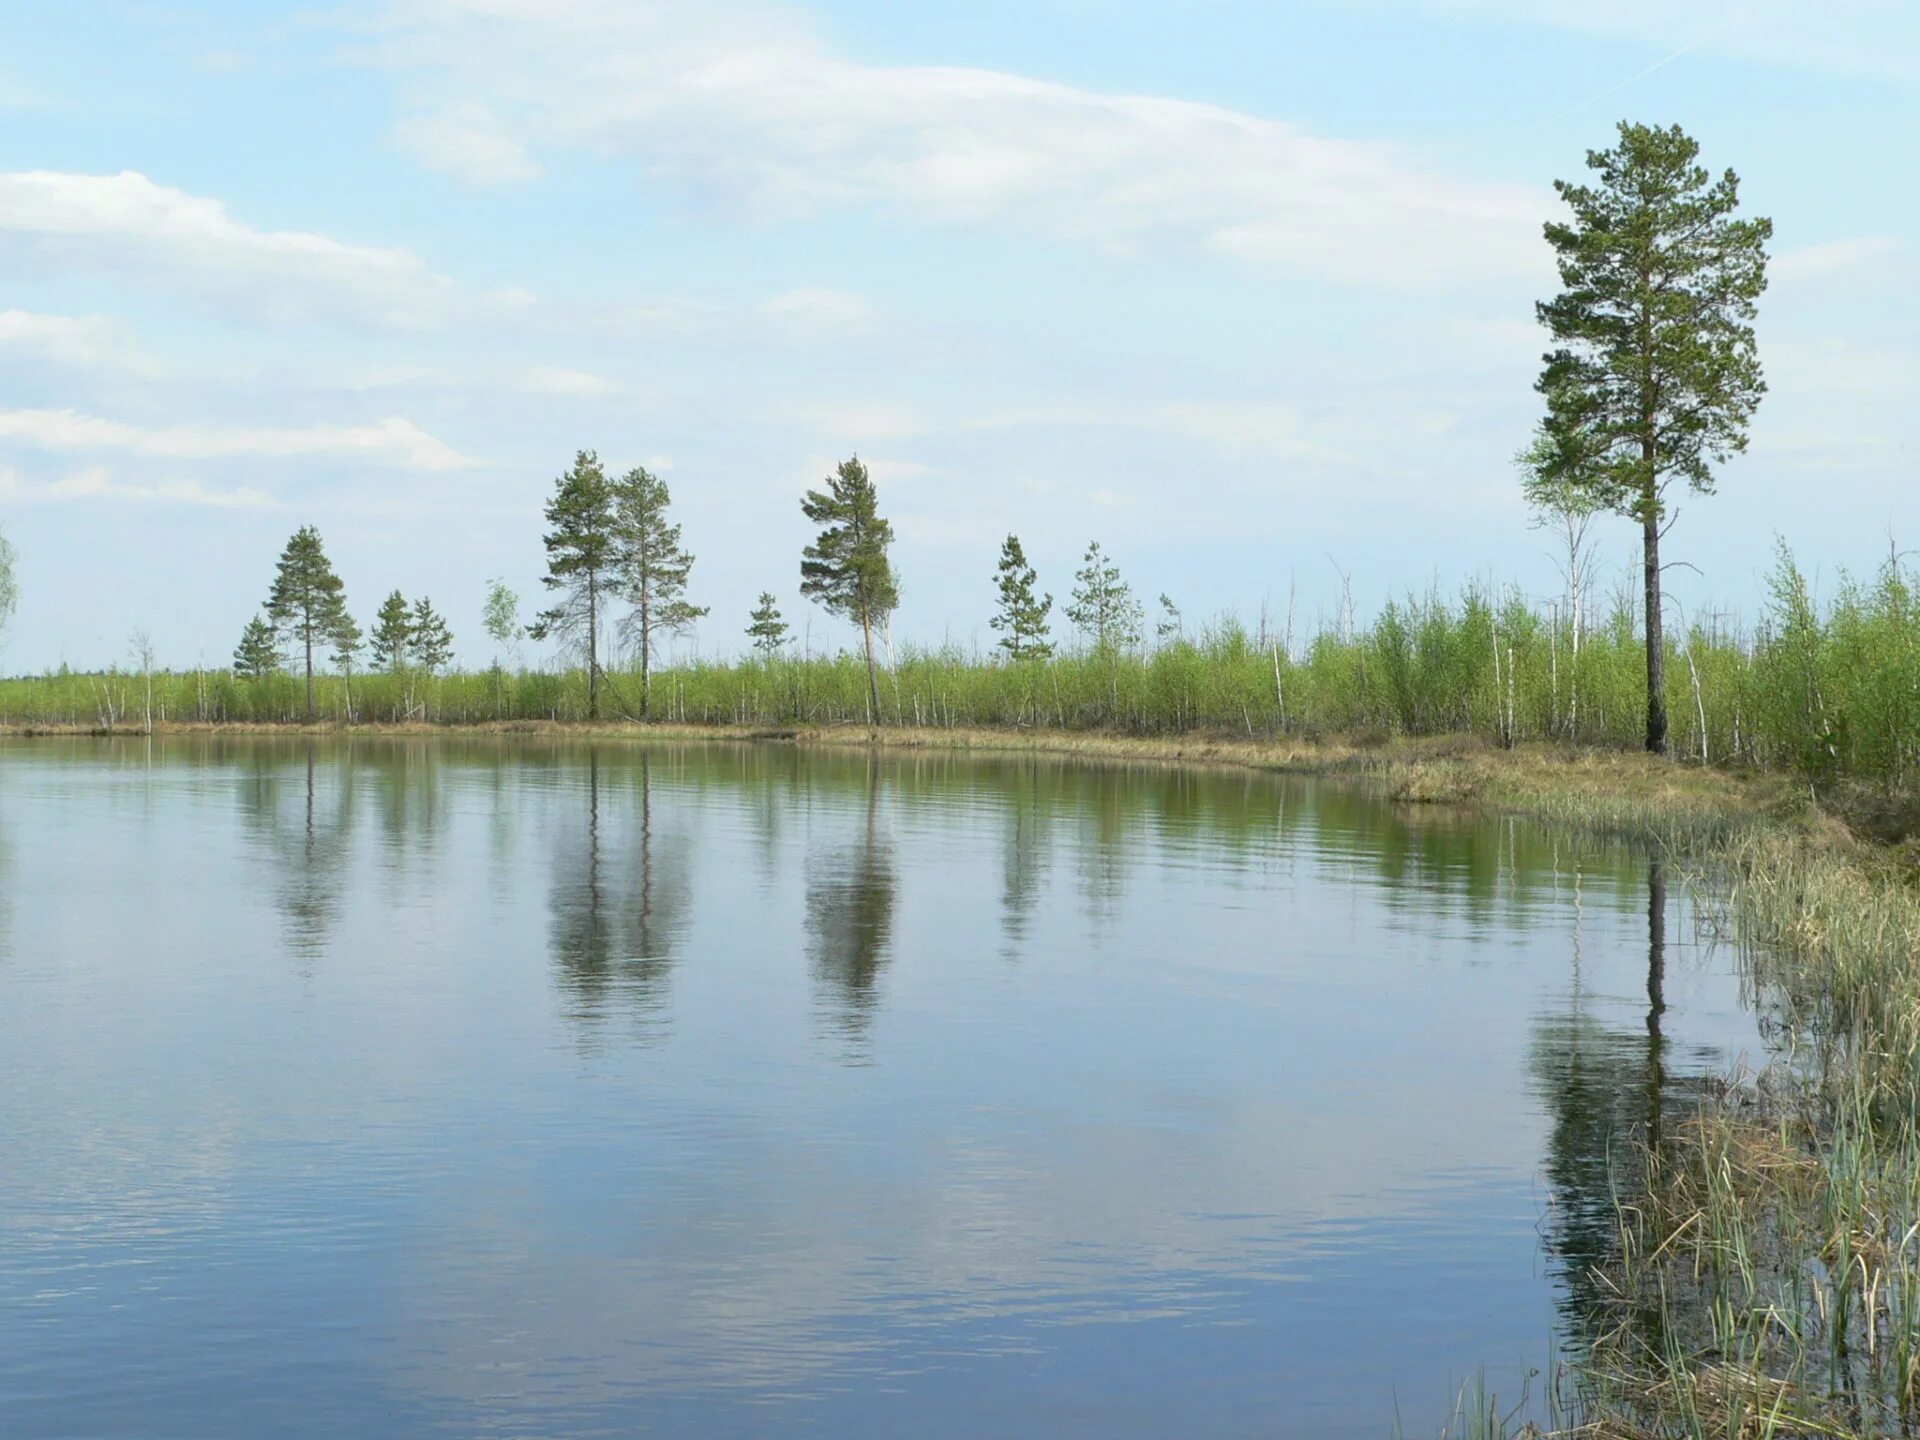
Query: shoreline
{"x": 1620, "y": 792}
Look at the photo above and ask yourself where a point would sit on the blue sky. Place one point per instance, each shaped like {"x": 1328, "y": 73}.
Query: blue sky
{"x": 1242, "y": 290}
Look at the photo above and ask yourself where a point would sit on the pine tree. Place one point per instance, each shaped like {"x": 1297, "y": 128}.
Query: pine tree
{"x": 1656, "y": 373}
{"x": 307, "y": 601}
{"x": 429, "y": 642}
{"x": 1170, "y": 627}
{"x": 392, "y": 633}
{"x": 847, "y": 569}
{"x": 583, "y": 550}
{"x": 768, "y": 630}
{"x": 1103, "y": 607}
{"x": 1022, "y": 618}
{"x": 653, "y": 569}
{"x": 258, "y": 654}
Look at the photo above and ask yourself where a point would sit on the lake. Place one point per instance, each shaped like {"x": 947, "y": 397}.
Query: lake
{"x": 470, "y": 1086}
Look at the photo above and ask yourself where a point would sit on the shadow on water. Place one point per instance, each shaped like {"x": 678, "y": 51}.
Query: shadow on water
{"x": 619, "y": 897}
{"x": 850, "y": 911}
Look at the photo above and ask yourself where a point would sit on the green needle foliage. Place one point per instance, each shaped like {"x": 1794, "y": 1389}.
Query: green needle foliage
{"x": 1171, "y": 627}
{"x": 583, "y": 554}
{"x": 307, "y": 601}
{"x": 1655, "y": 373}
{"x": 347, "y": 640}
{"x": 767, "y": 630}
{"x": 1022, "y": 616}
{"x": 429, "y": 641}
{"x": 847, "y": 569}
{"x": 653, "y": 570}
{"x": 1103, "y": 608}
{"x": 258, "y": 654}
{"x": 392, "y": 632}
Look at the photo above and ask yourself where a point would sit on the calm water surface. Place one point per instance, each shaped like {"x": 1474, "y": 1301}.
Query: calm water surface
{"x": 469, "y": 1088}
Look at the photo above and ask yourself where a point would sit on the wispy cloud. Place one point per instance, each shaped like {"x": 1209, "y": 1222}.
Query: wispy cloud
{"x": 1831, "y": 256}
{"x": 89, "y": 340}
{"x": 137, "y": 226}
{"x": 1880, "y": 38}
{"x": 816, "y": 306}
{"x": 395, "y": 441}
{"x": 738, "y": 103}
{"x": 97, "y": 483}
{"x": 468, "y": 145}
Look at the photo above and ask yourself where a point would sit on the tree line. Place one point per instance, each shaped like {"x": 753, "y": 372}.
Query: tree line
{"x": 1652, "y": 381}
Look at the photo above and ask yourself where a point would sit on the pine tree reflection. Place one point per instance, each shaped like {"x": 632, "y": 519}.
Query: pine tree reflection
{"x": 619, "y": 900}
{"x": 304, "y": 829}
{"x": 850, "y": 903}
{"x": 1608, "y": 1093}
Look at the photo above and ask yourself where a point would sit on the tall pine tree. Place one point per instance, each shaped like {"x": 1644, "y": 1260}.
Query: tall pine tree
{"x": 307, "y": 601}
{"x": 1655, "y": 373}
{"x": 583, "y": 552}
{"x": 1022, "y": 617}
{"x": 653, "y": 570}
{"x": 846, "y": 569}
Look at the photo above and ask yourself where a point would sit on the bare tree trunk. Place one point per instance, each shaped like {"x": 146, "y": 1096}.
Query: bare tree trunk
{"x": 1656, "y": 993}
{"x": 308, "y": 632}
{"x": 873, "y": 679}
{"x": 593, "y": 649}
{"x": 646, "y": 657}
{"x": 1656, "y": 639}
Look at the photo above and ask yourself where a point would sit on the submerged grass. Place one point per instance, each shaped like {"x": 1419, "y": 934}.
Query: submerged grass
{"x": 1765, "y": 1275}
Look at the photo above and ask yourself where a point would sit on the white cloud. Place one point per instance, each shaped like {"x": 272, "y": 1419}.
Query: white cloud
{"x": 469, "y": 147}
{"x": 67, "y": 339}
{"x": 1873, "y": 37}
{"x": 819, "y": 306}
{"x": 736, "y": 103}
{"x": 132, "y": 224}
{"x": 549, "y": 380}
{"x": 97, "y": 483}
{"x": 1830, "y": 256}
{"x": 394, "y": 441}
{"x": 859, "y": 424}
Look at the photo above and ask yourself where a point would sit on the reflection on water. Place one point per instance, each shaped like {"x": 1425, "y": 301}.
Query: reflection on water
{"x": 1607, "y": 1092}
{"x": 618, "y": 899}
{"x": 440, "y": 1087}
{"x": 850, "y": 921}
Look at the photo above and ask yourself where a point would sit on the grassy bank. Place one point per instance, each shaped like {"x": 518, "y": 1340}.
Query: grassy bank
{"x": 1827, "y": 691}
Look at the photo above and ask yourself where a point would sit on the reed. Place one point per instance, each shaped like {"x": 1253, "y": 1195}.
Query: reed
{"x": 1829, "y": 691}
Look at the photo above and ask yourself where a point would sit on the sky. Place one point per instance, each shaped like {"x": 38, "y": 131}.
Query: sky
{"x": 1243, "y": 291}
